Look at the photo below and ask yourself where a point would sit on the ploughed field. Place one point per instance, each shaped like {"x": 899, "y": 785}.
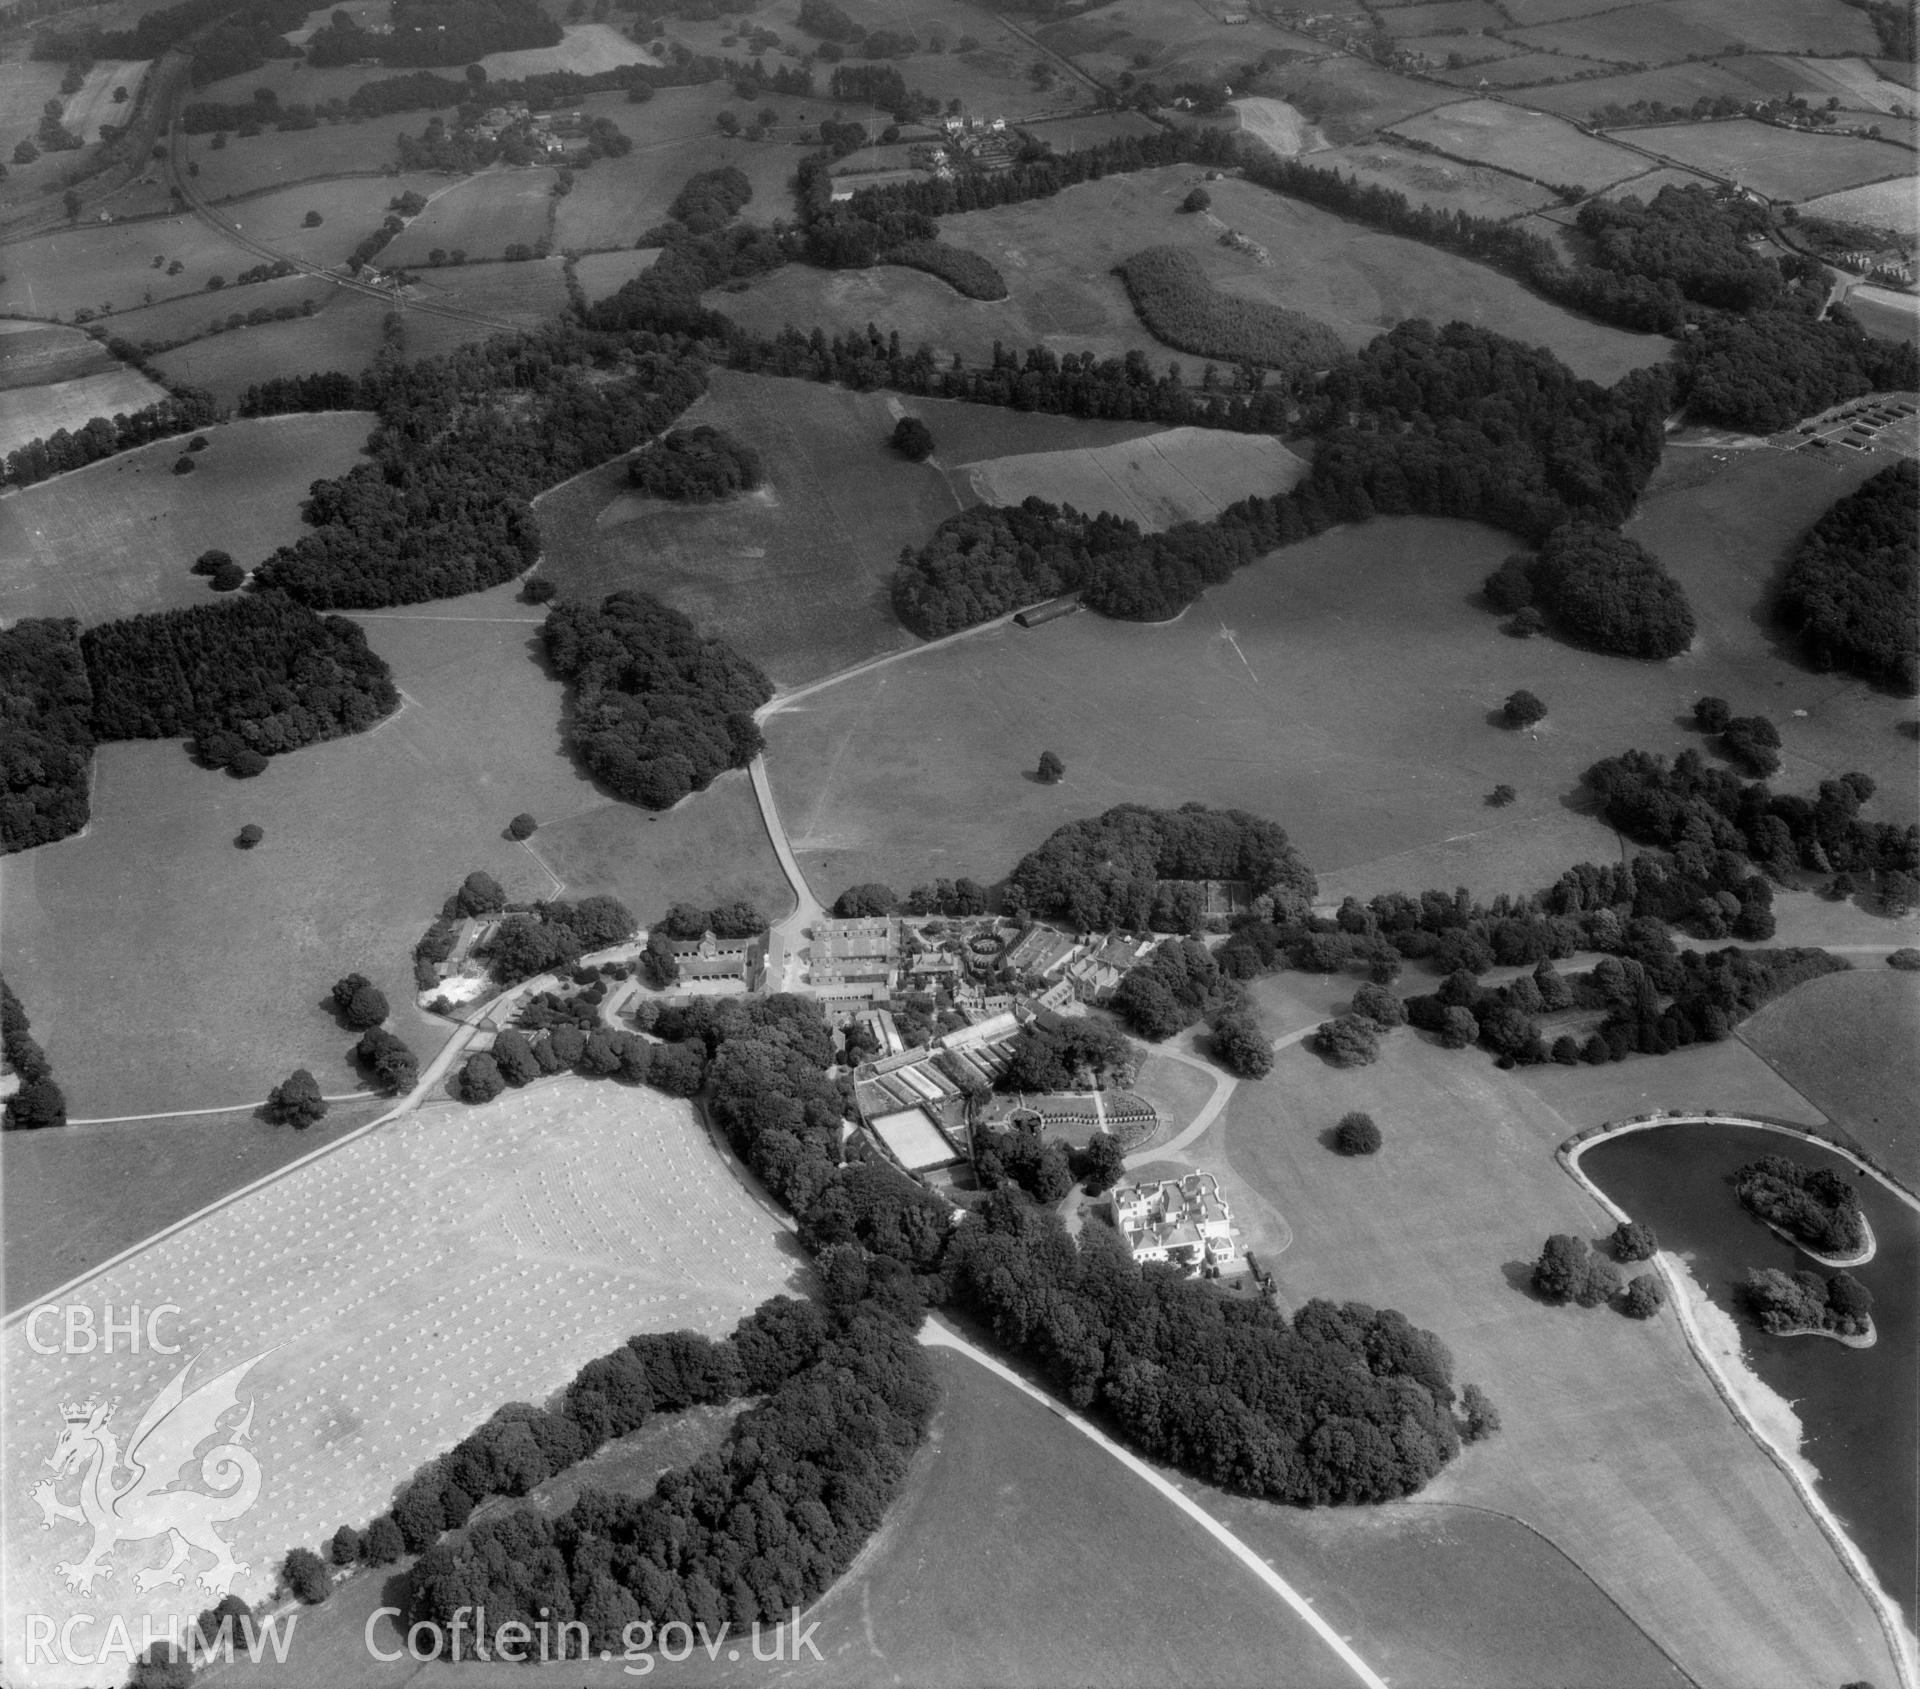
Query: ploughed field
{"x": 397, "y": 1291}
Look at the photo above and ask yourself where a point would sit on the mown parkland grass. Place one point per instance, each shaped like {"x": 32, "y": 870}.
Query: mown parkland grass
{"x": 119, "y": 536}
{"x": 1848, "y": 1043}
{"x": 1613, "y": 1438}
{"x": 1342, "y": 687}
{"x": 1780, "y": 163}
{"x": 796, "y": 574}
{"x": 167, "y": 970}
{"x": 1058, "y": 256}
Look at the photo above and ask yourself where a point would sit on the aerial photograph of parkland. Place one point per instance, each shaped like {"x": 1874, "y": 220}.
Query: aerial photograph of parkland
{"x": 960, "y": 844}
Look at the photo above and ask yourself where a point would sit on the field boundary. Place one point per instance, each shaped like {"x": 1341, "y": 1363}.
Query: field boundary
{"x": 1893, "y": 1628}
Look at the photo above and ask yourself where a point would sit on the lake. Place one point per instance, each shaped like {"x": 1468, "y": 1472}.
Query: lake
{"x": 1860, "y": 1407}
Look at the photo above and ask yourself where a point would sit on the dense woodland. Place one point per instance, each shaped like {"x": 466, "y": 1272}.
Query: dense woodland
{"x": 102, "y": 436}
{"x": 967, "y": 273}
{"x": 1178, "y": 303}
{"x": 1455, "y": 422}
{"x": 655, "y": 709}
{"x": 1106, "y": 874}
{"x": 38, "y": 1100}
{"x": 1853, "y": 587}
{"x": 1814, "y": 1205}
{"x": 462, "y": 444}
{"x": 436, "y": 32}
{"x": 698, "y": 465}
{"x": 245, "y": 679}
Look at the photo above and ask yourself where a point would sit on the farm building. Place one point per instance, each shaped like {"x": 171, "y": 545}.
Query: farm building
{"x": 1040, "y": 951}
{"x": 856, "y": 960}
{"x": 1051, "y": 610}
{"x": 708, "y": 957}
{"x": 1185, "y": 1222}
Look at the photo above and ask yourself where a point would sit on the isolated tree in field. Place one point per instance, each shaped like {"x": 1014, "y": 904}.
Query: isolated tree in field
{"x": 1752, "y": 744}
{"x": 360, "y": 1001}
{"x": 1357, "y": 1135}
{"x": 1349, "y": 1041}
{"x": 1241, "y": 1044}
{"x": 212, "y": 562}
{"x": 296, "y": 1100}
{"x": 729, "y": 122}
{"x": 913, "y": 439}
{"x": 1633, "y": 1240}
{"x": 1645, "y": 1297}
{"x": 306, "y": 1575}
{"x": 1197, "y": 200}
{"x": 388, "y": 1059}
{"x": 249, "y": 836}
{"x": 25, "y": 152}
{"x": 1479, "y": 1418}
{"x": 312, "y": 220}
{"x": 1379, "y": 1005}
{"x": 1501, "y": 796}
{"x": 480, "y": 1079}
{"x": 1522, "y": 709}
{"x": 1711, "y": 715}
{"x": 343, "y": 1548}
{"x": 522, "y": 826}
{"x": 1906, "y": 959}
{"x": 1560, "y": 1274}
{"x": 1051, "y": 767}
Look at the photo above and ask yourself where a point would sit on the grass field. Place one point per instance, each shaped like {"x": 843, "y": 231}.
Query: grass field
{"x": 36, "y": 354}
{"x": 1182, "y": 475}
{"x": 1646, "y": 188}
{"x": 586, "y": 49}
{"x": 1614, "y": 1444}
{"x": 271, "y": 159}
{"x": 796, "y": 574}
{"x": 107, "y": 267}
{"x": 604, "y": 273}
{"x": 94, "y": 104}
{"x": 940, "y": 743}
{"x": 1892, "y": 316}
{"x": 521, "y": 294}
{"x": 1278, "y": 125}
{"x": 1058, "y": 256}
{"x": 1526, "y": 12}
{"x": 1780, "y": 163}
{"x": 1348, "y": 98}
{"x": 1848, "y": 1043}
{"x": 1471, "y": 16}
{"x": 1674, "y": 85}
{"x": 199, "y": 314}
{"x": 674, "y": 137}
{"x": 1518, "y": 70}
{"x": 1438, "y": 182}
{"x": 117, "y": 537}
{"x": 573, "y": 1214}
{"x": 1884, "y": 205}
{"x": 346, "y": 334}
{"x": 295, "y": 82}
{"x": 31, "y": 413}
{"x": 1489, "y": 132}
{"x": 481, "y": 216}
{"x": 107, "y": 934}
{"x": 351, "y": 208}
{"x": 1663, "y": 33}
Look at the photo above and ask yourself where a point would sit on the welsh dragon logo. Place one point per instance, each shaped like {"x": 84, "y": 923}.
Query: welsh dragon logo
{"x": 125, "y": 1496}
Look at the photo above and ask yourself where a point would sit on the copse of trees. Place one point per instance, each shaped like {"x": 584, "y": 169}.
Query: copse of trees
{"x": 1764, "y": 372}
{"x": 1177, "y": 301}
{"x": 361, "y": 1003}
{"x": 551, "y": 934}
{"x": 37, "y": 1101}
{"x": 1813, "y": 1205}
{"x": 1109, "y": 873}
{"x": 182, "y": 412}
{"x": 433, "y": 33}
{"x": 1601, "y": 589}
{"x": 711, "y": 198}
{"x": 463, "y": 442}
{"x": 1853, "y": 588}
{"x": 696, "y": 466}
{"x": 1064, "y": 1053}
{"x": 46, "y": 732}
{"x": 1569, "y": 1271}
{"x": 967, "y": 273}
{"x": 388, "y": 1060}
{"x": 656, "y": 710}
{"x": 866, "y": 899}
{"x": 1787, "y": 1304}
{"x": 1340, "y": 1404}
